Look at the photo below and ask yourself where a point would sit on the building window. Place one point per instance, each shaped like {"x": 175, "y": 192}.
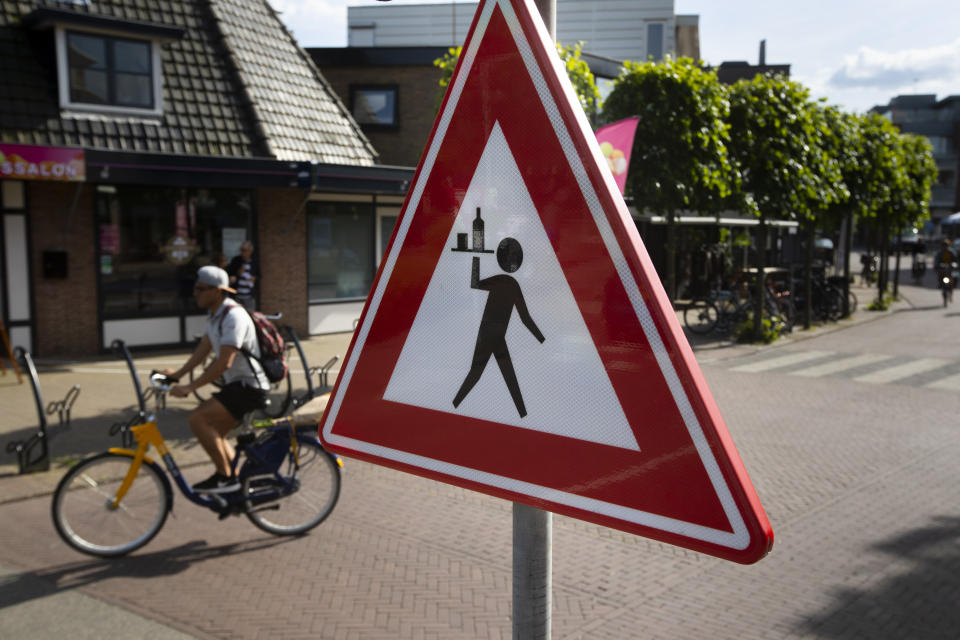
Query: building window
{"x": 109, "y": 74}
{"x": 945, "y": 178}
{"x": 340, "y": 250}
{"x": 374, "y": 104}
{"x": 152, "y": 240}
{"x": 655, "y": 40}
{"x": 106, "y": 70}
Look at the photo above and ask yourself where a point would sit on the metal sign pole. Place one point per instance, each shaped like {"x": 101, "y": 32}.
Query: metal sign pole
{"x": 532, "y": 572}
{"x": 532, "y": 527}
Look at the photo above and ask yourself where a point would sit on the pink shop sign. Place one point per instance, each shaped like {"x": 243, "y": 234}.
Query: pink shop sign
{"x": 26, "y": 162}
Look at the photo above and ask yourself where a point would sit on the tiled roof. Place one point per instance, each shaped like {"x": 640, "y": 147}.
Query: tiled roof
{"x": 297, "y": 110}
{"x": 286, "y": 112}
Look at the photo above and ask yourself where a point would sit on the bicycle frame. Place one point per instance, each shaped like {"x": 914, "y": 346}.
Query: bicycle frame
{"x": 147, "y": 434}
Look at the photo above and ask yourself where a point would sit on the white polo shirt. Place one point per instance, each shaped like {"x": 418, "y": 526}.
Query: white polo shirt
{"x": 232, "y": 326}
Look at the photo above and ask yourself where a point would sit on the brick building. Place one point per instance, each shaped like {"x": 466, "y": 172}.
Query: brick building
{"x": 142, "y": 139}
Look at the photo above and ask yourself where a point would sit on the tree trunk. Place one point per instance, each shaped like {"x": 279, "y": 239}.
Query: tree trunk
{"x": 848, "y": 234}
{"x": 882, "y": 270}
{"x": 896, "y": 270}
{"x": 671, "y": 256}
{"x": 761, "y": 281}
{"x": 808, "y": 276}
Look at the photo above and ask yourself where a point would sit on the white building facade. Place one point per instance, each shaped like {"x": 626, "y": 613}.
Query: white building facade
{"x": 619, "y": 29}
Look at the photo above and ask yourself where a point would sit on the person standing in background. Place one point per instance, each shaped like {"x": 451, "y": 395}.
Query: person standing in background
{"x": 244, "y": 273}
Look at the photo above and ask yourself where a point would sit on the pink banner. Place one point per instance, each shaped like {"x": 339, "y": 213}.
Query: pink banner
{"x": 26, "y": 162}
{"x": 616, "y": 142}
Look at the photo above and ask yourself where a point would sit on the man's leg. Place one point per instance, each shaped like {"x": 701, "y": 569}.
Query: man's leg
{"x": 510, "y": 377}
{"x": 210, "y": 423}
{"x": 480, "y": 357}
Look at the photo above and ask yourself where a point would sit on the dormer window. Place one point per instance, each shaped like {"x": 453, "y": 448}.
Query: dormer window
{"x": 104, "y": 70}
{"x": 106, "y": 65}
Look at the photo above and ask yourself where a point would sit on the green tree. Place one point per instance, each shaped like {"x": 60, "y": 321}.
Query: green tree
{"x": 679, "y": 158}
{"x": 910, "y": 201}
{"x": 835, "y": 132}
{"x": 446, "y": 63}
{"x": 583, "y": 80}
{"x": 777, "y": 140}
{"x": 874, "y": 180}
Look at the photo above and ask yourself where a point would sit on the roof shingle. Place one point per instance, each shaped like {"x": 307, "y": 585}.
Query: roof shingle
{"x": 235, "y": 84}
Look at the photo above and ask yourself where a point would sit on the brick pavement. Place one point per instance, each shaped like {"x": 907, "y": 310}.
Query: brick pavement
{"x": 858, "y": 481}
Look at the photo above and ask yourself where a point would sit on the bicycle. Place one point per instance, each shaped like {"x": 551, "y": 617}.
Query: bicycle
{"x": 947, "y": 280}
{"x": 279, "y": 393}
{"x": 115, "y": 502}
{"x": 720, "y": 311}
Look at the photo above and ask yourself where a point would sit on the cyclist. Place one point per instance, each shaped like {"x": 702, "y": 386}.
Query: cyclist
{"x": 231, "y": 335}
{"x": 946, "y": 263}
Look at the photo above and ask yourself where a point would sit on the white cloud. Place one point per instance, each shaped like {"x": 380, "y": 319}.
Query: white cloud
{"x": 315, "y": 23}
{"x": 871, "y": 68}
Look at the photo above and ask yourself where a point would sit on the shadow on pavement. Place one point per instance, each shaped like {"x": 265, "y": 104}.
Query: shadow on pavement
{"x": 29, "y": 585}
{"x": 920, "y": 602}
{"x": 90, "y": 435}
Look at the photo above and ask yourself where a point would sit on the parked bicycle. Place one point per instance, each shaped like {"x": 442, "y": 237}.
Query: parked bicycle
{"x": 723, "y": 310}
{"x": 117, "y": 501}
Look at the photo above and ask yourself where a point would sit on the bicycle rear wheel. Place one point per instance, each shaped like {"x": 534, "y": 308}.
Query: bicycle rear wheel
{"x": 82, "y": 511}
{"x": 701, "y": 316}
{"x": 315, "y": 490}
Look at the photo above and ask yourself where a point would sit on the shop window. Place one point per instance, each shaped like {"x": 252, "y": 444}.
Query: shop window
{"x": 108, "y": 73}
{"x": 152, "y": 241}
{"x": 340, "y": 256}
{"x": 374, "y": 105}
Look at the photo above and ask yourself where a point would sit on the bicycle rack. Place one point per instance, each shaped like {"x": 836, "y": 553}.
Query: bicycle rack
{"x": 120, "y": 347}
{"x": 33, "y": 454}
{"x": 323, "y": 373}
{"x": 303, "y": 357}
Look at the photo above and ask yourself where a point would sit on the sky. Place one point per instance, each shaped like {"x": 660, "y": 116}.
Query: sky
{"x": 854, "y": 53}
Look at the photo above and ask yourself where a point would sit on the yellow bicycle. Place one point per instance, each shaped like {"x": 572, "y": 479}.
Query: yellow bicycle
{"x": 117, "y": 501}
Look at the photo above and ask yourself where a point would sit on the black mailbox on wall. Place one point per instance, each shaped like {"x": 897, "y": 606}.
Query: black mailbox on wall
{"x": 54, "y": 264}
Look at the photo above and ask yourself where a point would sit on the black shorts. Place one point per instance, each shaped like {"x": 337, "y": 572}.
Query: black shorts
{"x": 240, "y": 399}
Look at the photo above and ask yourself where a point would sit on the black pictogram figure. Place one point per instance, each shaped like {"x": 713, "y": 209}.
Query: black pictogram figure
{"x": 504, "y": 295}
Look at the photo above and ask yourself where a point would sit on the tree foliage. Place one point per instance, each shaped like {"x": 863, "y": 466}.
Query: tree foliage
{"x": 583, "y": 80}
{"x": 679, "y": 158}
{"x": 779, "y": 140}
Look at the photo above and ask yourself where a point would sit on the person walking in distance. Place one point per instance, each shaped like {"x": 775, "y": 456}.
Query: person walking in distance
{"x": 244, "y": 272}
{"x": 504, "y": 295}
{"x": 231, "y": 335}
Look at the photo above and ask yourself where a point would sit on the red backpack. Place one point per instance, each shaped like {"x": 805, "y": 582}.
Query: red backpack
{"x": 271, "y": 344}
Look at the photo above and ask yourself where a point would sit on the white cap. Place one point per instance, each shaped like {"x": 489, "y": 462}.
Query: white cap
{"x": 215, "y": 277}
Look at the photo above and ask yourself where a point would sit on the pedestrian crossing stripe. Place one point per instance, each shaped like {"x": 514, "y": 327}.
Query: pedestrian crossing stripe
{"x": 895, "y": 370}
{"x": 512, "y": 140}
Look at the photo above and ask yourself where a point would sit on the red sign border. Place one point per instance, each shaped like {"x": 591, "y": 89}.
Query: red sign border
{"x": 639, "y": 264}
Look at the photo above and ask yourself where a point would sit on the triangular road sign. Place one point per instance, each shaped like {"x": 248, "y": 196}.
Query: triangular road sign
{"x": 517, "y": 340}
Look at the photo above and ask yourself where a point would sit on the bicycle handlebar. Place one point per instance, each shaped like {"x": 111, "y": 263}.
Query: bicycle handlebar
{"x": 161, "y": 382}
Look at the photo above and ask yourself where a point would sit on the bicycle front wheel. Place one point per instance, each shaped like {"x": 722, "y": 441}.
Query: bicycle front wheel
{"x": 304, "y": 500}
{"x": 83, "y": 511}
{"x": 701, "y": 316}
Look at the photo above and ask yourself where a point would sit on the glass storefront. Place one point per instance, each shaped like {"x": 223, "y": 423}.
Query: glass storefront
{"x": 340, "y": 250}
{"x": 152, "y": 240}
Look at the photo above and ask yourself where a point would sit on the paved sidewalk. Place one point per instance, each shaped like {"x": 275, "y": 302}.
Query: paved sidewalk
{"x": 407, "y": 557}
